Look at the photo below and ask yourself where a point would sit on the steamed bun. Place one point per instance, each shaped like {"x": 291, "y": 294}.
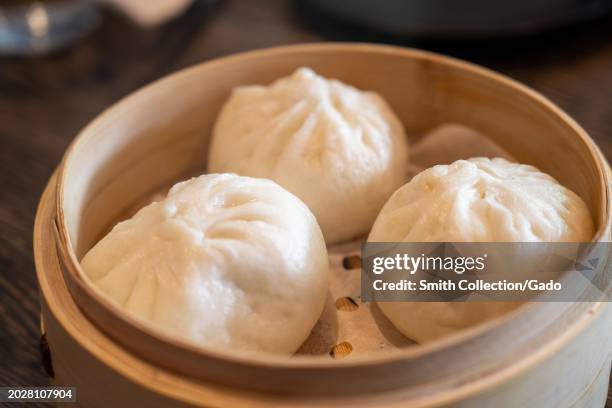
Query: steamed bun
{"x": 476, "y": 200}
{"x": 341, "y": 150}
{"x": 224, "y": 261}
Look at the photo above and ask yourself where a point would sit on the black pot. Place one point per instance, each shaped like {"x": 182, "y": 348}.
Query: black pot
{"x": 463, "y": 18}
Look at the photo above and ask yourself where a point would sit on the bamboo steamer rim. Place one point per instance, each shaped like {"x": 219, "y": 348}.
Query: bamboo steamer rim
{"x": 73, "y": 274}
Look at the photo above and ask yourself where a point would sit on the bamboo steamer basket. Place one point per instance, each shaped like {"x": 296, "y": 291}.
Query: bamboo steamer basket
{"x": 541, "y": 354}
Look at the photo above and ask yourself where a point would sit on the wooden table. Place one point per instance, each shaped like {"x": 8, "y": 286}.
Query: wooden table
{"x": 45, "y": 101}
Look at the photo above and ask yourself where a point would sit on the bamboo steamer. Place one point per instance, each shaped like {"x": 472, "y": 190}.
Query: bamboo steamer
{"x": 541, "y": 354}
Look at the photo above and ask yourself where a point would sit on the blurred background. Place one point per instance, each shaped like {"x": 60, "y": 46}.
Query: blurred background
{"x": 64, "y": 61}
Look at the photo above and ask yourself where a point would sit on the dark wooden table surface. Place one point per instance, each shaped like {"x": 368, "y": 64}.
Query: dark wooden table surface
{"x": 45, "y": 101}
